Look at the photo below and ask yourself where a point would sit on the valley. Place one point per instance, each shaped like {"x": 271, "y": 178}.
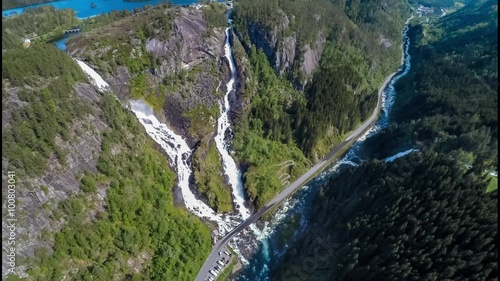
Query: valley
{"x": 242, "y": 102}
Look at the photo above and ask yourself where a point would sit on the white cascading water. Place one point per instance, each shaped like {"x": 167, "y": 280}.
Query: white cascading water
{"x": 180, "y": 153}
{"x": 175, "y": 147}
{"x": 400, "y": 154}
{"x": 224, "y": 125}
{"x": 95, "y": 78}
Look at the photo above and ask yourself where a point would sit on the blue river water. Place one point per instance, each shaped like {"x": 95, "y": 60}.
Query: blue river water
{"x": 83, "y": 10}
{"x": 290, "y": 221}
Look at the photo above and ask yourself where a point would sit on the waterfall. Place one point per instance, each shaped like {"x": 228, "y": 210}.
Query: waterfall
{"x": 95, "y": 78}
{"x": 180, "y": 153}
{"x": 400, "y": 154}
{"x": 177, "y": 150}
{"x": 222, "y": 143}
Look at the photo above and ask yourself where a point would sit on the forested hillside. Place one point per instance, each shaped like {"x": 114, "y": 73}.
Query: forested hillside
{"x": 422, "y": 217}
{"x": 94, "y": 194}
{"x": 429, "y": 215}
{"x": 449, "y": 100}
{"x": 36, "y": 24}
{"x": 311, "y": 71}
{"x": 173, "y": 59}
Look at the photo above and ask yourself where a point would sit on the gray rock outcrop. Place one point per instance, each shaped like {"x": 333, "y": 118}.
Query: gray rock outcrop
{"x": 38, "y": 197}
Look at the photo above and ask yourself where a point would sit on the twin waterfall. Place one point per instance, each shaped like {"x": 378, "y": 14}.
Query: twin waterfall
{"x": 180, "y": 153}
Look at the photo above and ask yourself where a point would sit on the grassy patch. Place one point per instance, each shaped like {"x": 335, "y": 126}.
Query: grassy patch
{"x": 493, "y": 183}
{"x": 213, "y": 14}
{"x": 209, "y": 178}
{"x": 202, "y": 119}
{"x": 267, "y": 161}
{"x": 153, "y": 96}
{"x": 45, "y": 189}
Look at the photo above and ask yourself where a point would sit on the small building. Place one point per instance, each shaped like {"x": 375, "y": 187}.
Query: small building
{"x": 26, "y": 43}
{"x": 215, "y": 235}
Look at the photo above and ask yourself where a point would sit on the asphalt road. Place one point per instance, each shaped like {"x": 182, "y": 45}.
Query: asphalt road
{"x": 222, "y": 243}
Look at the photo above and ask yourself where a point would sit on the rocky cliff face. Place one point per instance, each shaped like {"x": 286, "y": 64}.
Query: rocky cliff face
{"x": 185, "y": 63}
{"x": 178, "y": 66}
{"x": 187, "y": 45}
{"x": 312, "y": 55}
{"x": 283, "y": 49}
{"x": 37, "y": 198}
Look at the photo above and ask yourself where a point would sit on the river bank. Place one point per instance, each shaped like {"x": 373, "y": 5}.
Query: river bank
{"x": 291, "y": 218}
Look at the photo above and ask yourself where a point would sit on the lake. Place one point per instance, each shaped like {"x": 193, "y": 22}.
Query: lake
{"x": 83, "y": 9}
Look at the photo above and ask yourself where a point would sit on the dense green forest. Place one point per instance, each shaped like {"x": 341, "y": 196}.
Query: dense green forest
{"x": 286, "y": 122}
{"x": 36, "y": 24}
{"x": 139, "y": 221}
{"x": 353, "y": 65}
{"x": 429, "y": 215}
{"x": 422, "y": 217}
{"x": 46, "y": 78}
{"x": 449, "y": 100}
{"x": 264, "y": 147}
{"x": 137, "y": 233}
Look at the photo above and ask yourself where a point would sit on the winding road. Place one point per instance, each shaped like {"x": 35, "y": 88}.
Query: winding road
{"x": 289, "y": 190}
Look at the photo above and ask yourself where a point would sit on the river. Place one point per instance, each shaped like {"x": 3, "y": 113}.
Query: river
{"x": 290, "y": 221}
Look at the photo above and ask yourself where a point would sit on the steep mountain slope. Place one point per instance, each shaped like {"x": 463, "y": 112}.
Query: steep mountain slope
{"x": 310, "y": 71}
{"x": 93, "y": 195}
{"x": 427, "y": 215}
{"x": 424, "y": 217}
{"x": 173, "y": 58}
{"x": 450, "y": 98}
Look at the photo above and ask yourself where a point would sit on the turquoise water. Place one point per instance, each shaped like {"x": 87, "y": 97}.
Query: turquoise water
{"x": 61, "y": 44}
{"x": 83, "y": 9}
